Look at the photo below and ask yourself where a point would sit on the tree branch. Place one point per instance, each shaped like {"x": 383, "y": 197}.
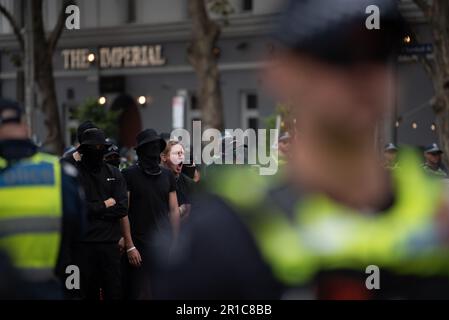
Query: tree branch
{"x": 14, "y": 26}
{"x": 57, "y": 31}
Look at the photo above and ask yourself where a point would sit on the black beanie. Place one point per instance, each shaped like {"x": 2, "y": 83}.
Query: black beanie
{"x": 83, "y": 127}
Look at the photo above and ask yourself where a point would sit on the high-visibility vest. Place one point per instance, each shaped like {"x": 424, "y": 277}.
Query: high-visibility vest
{"x": 31, "y": 214}
{"x": 325, "y": 235}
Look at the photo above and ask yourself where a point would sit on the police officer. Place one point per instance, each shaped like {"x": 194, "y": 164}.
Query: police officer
{"x": 313, "y": 233}
{"x": 433, "y": 165}
{"x": 41, "y": 209}
{"x": 390, "y": 156}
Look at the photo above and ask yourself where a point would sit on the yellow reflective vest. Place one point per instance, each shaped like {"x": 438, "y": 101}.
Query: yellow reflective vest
{"x": 31, "y": 214}
{"x": 325, "y": 235}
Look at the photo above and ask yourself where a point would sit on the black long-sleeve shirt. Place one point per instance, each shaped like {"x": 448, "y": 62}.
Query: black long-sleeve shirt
{"x": 100, "y": 185}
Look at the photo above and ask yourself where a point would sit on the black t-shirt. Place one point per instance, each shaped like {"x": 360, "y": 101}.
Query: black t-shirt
{"x": 148, "y": 206}
{"x": 184, "y": 189}
{"x": 107, "y": 182}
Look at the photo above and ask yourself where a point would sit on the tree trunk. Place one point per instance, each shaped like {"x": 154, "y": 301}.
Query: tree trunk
{"x": 49, "y": 103}
{"x": 45, "y": 83}
{"x": 440, "y": 26}
{"x": 205, "y": 34}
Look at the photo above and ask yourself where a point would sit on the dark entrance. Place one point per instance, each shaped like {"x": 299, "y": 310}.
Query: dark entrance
{"x": 130, "y": 123}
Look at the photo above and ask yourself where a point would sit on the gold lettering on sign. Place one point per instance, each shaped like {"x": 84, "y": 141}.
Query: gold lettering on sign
{"x": 155, "y": 56}
{"x": 127, "y": 58}
{"x": 136, "y": 56}
{"x": 144, "y": 56}
{"x": 75, "y": 59}
{"x": 117, "y": 54}
{"x": 105, "y": 58}
{"x": 66, "y": 55}
{"x": 115, "y": 57}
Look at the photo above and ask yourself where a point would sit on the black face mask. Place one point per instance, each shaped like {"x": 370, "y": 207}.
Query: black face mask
{"x": 114, "y": 161}
{"x": 92, "y": 158}
{"x": 149, "y": 158}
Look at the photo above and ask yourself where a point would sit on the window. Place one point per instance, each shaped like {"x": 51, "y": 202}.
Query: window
{"x": 253, "y": 123}
{"x": 193, "y": 111}
{"x": 247, "y": 5}
{"x": 70, "y": 94}
{"x": 251, "y": 101}
{"x": 249, "y": 110}
{"x": 193, "y": 102}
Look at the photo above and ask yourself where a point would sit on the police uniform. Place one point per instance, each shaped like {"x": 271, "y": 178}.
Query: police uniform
{"x": 41, "y": 211}
{"x": 274, "y": 241}
{"x": 439, "y": 172}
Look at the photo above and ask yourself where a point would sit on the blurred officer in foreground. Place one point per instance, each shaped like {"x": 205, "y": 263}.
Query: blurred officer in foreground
{"x": 41, "y": 209}
{"x": 433, "y": 165}
{"x": 390, "y": 156}
{"x": 314, "y": 233}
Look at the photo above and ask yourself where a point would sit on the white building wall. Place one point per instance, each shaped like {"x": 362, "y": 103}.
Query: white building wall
{"x": 51, "y": 10}
{"x": 267, "y": 6}
{"x": 112, "y": 12}
{"x": 157, "y": 11}
{"x": 88, "y": 12}
{"x": 5, "y": 27}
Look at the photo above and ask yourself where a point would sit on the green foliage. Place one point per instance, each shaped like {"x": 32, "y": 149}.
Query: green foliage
{"x": 282, "y": 110}
{"x": 102, "y": 116}
{"x": 270, "y": 121}
{"x": 221, "y": 7}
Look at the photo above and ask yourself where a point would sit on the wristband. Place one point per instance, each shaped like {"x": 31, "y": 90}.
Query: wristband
{"x": 130, "y": 249}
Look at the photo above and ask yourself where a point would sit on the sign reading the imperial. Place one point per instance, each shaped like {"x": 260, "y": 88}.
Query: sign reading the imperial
{"x": 115, "y": 57}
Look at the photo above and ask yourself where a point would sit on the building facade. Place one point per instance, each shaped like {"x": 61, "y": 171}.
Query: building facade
{"x": 139, "y": 48}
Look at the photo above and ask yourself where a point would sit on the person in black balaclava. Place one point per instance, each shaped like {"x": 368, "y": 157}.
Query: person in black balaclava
{"x": 152, "y": 206}
{"x": 149, "y": 158}
{"x": 112, "y": 155}
{"x": 72, "y": 155}
{"x": 105, "y": 189}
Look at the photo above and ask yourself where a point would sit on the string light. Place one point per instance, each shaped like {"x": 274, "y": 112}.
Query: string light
{"x": 102, "y": 100}
{"x": 142, "y": 100}
{"x": 91, "y": 57}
